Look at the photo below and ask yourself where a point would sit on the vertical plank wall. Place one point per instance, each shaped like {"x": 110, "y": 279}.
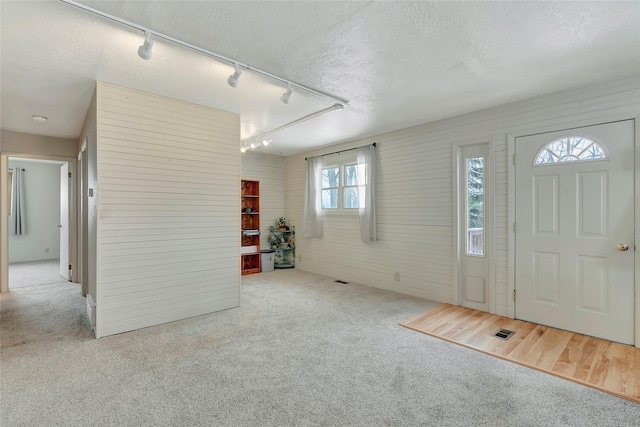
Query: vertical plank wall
{"x": 168, "y": 210}
{"x": 415, "y": 194}
{"x": 270, "y": 171}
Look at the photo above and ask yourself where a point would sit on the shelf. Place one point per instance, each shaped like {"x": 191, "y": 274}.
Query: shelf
{"x": 283, "y": 265}
{"x": 250, "y": 227}
{"x": 285, "y": 256}
{"x": 250, "y": 271}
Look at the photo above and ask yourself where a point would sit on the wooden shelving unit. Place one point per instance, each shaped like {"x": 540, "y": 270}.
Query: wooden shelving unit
{"x": 250, "y": 224}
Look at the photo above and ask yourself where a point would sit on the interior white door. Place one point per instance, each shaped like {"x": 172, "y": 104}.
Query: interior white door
{"x": 575, "y": 230}
{"x": 63, "y": 225}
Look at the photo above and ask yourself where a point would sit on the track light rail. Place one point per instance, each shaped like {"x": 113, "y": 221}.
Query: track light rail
{"x": 221, "y": 58}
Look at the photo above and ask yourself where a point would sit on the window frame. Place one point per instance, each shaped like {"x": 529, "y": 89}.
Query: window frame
{"x": 10, "y": 193}
{"x": 570, "y": 157}
{"x": 467, "y": 208}
{"x": 342, "y": 166}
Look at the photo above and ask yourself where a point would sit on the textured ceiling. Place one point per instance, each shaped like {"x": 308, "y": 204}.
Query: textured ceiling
{"x": 398, "y": 63}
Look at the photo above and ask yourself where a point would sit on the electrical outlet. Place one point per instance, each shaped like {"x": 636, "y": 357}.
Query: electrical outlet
{"x": 46, "y": 250}
{"x": 396, "y": 276}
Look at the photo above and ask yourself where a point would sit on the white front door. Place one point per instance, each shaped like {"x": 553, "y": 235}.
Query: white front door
{"x": 575, "y": 230}
{"x": 63, "y": 225}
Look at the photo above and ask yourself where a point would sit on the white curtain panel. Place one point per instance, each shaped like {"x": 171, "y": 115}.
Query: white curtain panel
{"x": 367, "y": 183}
{"x": 18, "y": 213}
{"x": 312, "y": 221}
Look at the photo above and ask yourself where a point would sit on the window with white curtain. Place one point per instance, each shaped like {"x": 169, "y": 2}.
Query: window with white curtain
{"x": 345, "y": 183}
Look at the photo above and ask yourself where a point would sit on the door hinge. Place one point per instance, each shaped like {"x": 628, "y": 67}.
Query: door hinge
{"x": 69, "y": 174}
{"x": 514, "y": 227}
{"x": 514, "y": 159}
{"x": 514, "y": 294}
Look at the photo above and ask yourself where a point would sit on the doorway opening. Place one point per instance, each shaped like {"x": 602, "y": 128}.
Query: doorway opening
{"x": 38, "y": 229}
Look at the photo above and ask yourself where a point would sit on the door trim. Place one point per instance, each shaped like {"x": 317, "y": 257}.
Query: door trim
{"x": 637, "y": 222}
{"x": 458, "y": 207}
{"x": 511, "y": 184}
{"x": 4, "y": 240}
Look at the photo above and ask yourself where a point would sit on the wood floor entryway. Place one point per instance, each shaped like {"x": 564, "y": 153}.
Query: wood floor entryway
{"x": 607, "y": 366}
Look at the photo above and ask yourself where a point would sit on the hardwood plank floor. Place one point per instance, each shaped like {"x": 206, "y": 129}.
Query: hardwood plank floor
{"x": 607, "y": 366}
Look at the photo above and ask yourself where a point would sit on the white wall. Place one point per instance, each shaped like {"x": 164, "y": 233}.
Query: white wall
{"x": 42, "y": 205}
{"x": 415, "y": 195}
{"x": 168, "y": 210}
{"x": 270, "y": 171}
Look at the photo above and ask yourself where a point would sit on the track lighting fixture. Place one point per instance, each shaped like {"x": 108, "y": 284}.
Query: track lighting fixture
{"x": 144, "y": 51}
{"x": 255, "y": 144}
{"x": 266, "y": 142}
{"x": 233, "y": 78}
{"x": 285, "y": 96}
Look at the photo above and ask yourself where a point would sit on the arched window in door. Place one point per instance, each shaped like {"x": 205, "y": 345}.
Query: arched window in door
{"x": 570, "y": 149}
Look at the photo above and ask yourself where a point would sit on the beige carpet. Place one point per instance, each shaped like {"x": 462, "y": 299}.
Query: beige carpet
{"x": 301, "y": 350}
{"x": 34, "y": 273}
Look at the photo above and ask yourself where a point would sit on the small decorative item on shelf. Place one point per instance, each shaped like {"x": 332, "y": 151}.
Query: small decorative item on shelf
{"x": 281, "y": 223}
{"x": 273, "y": 241}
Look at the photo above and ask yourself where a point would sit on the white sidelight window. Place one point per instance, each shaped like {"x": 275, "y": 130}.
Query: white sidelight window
{"x": 475, "y": 210}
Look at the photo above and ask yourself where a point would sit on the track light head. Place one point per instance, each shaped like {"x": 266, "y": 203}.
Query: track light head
{"x": 254, "y": 145}
{"x": 233, "y": 78}
{"x": 243, "y": 149}
{"x": 266, "y": 142}
{"x": 285, "y": 96}
{"x": 144, "y": 51}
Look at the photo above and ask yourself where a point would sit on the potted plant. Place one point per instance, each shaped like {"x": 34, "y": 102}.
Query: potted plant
{"x": 281, "y": 223}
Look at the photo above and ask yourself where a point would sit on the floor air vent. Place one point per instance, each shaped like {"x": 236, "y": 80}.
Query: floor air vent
{"x": 503, "y": 334}
{"x": 341, "y": 281}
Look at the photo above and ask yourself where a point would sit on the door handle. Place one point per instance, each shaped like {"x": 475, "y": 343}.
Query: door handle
{"x": 60, "y": 226}
{"x": 623, "y": 247}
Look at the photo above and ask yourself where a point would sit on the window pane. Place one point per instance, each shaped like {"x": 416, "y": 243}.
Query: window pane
{"x": 570, "y": 149}
{"x": 475, "y": 206}
{"x": 330, "y": 199}
{"x": 351, "y": 198}
{"x": 351, "y": 174}
{"x": 330, "y": 177}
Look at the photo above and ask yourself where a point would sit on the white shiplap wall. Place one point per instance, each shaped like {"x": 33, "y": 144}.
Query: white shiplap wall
{"x": 415, "y": 195}
{"x": 270, "y": 171}
{"x": 168, "y": 210}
